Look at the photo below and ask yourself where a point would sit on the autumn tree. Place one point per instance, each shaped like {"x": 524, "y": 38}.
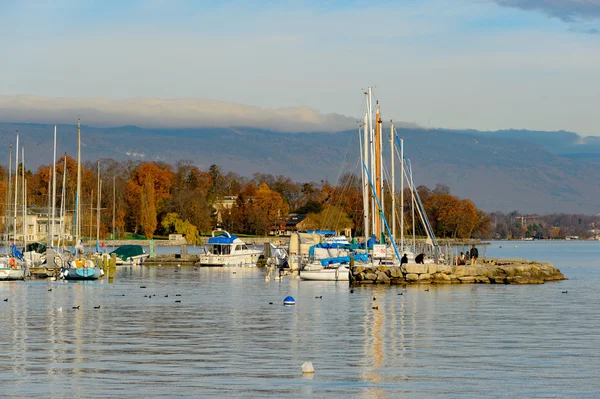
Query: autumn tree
{"x": 331, "y": 218}
{"x": 148, "y": 207}
{"x": 161, "y": 176}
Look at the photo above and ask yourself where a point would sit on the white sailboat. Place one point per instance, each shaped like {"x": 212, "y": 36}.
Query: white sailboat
{"x": 12, "y": 264}
{"x": 80, "y": 268}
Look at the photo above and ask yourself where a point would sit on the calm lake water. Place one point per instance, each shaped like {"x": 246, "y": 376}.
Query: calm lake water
{"x": 225, "y": 340}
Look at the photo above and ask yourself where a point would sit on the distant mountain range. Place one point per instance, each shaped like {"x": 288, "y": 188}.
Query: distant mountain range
{"x": 528, "y": 171}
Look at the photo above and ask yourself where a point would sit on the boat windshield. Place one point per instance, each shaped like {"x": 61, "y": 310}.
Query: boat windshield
{"x": 218, "y": 249}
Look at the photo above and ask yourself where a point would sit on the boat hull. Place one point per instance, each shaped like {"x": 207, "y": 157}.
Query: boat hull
{"x": 81, "y": 273}
{"x": 133, "y": 260}
{"x": 239, "y": 260}
{"x": 10, "y": 274}
{"x": 337, "y": 274}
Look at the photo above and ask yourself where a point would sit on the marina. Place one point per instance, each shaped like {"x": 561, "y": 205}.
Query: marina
{"x": 224, "y": 332}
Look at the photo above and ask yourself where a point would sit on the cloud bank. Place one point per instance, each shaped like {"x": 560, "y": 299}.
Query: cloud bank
{"x": 169, "y": 113}
{"x": 565, "y": 10}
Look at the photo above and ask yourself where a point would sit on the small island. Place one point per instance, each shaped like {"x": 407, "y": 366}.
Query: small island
{"x": 488, "y": 271}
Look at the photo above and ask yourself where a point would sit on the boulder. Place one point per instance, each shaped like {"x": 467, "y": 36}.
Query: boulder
{"x": 411, "y": 277}
{"x": 413, "y": 268}
{"x": 370, "y": 276}
{"x": 431, "y": 268}
{"x": 395, "y": 272}
{"x": 424, "y": 276}
{"x": 359, "y": 269}
{"x": 382, "y": 278}
{"x": 466, "y": 279}
{"x": 444, "y": 269}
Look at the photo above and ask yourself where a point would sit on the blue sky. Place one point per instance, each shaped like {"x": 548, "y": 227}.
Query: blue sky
{"x": 484, "y": 64}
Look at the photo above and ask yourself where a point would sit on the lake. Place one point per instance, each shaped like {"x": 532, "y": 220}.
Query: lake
{"x": 225, "y": 340}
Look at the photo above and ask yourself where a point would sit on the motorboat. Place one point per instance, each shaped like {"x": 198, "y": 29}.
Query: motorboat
{"x": 130, "y": 255}
{"x": 225, "y": 249}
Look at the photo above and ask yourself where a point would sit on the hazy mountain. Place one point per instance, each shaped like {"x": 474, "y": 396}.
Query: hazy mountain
{"x": 539, "y": 172}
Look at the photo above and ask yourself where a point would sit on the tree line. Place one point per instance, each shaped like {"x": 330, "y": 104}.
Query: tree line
{"x": 156, "y": 198}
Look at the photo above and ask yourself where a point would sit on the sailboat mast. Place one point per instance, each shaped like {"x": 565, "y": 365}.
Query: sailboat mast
{"x": 392, "y": 155}
{"x": 78, "y": 193}
{"x": 371, "y": 158}
{"x": 62, "y": 203}
{"x": 8, "y": 197}
{"x": 16, "y": 188}
{"x": 98, "y": 205}
{"x": 114, "y": 205}
{"x": 24, "y": 205}
{"x": 378, "y": 168}
{"x": 365, "y": 189}
{"x": 402, "y": 194}
{"x": 53, "y": 191}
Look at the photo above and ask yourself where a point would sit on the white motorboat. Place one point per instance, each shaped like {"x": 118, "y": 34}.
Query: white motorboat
{"x": 336, "y": 272}
{"x": 225, "y": 249}
{"x": 11, "y": 268}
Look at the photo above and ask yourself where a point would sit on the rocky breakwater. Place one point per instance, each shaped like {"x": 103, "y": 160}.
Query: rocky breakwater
{"x": 489, "y": 271}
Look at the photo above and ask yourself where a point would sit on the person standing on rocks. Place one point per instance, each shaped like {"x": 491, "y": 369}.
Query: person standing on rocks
{"x": 404, "y": 260}
{"x": 474, "y": 255}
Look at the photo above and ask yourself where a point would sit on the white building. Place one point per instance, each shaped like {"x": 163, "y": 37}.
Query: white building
{"x": 37, "y": 225}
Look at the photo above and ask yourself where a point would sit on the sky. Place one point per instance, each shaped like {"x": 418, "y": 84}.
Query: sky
{"x": 481, "y": 64}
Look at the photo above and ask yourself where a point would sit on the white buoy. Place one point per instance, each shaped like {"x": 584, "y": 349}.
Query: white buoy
{"x": 307, "y": 368}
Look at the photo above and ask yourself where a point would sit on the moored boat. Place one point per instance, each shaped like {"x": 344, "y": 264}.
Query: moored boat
{"x": 11, "y": 268}
{"x": 130, "y": 255}
{"x": 81, "y": 269}
{"x": 225, "y": 249}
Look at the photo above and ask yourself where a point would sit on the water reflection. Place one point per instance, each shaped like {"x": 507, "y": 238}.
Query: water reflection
{"x": 224, "y": 339}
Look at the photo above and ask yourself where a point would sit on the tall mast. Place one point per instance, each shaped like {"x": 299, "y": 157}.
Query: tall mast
{"x": 16, "y": 188}
{"x": 412, "y": 190}
{"x": 98, "y": 205}
{"x": 377, "y": 181}
{"x": 53, "y": 191}
{"x": 114, "y": 205}
{"x": 78, "y": 194}
{"x": 392, "y": 154}
{"x": 62, "y": 203}
{"x": 372, "y": 156}
{"x": 8, "y": 197}
{"x": 365, "y": 189}
{"x": 24, "y": 205}
{"x": 402, "y": 194}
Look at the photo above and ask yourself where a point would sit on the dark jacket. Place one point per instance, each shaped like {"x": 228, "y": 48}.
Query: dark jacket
{"x": 474, "y": 253}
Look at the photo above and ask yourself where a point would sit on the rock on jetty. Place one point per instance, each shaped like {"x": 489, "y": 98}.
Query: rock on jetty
{"x": 489, "y": 271}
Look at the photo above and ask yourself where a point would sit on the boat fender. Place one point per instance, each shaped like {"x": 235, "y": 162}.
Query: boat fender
{"x": 289, "y": 300}
{"x": 13, "y": 263}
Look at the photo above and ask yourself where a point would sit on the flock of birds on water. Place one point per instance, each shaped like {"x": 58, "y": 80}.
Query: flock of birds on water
{"x": 375, "y": 307}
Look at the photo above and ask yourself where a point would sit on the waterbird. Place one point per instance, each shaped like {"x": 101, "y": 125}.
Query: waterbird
{"x": 143, "y": 286}
{"x": 564, "y": 292}
{"x": 400, "y": 294}
{"x": 195, "y": 268}
{"x": 319, "y": 297}
{"x": 270, "y": 303}
{"x": 76, "y": 307}
{"x": 177, "y": 294}
{"x": 6, "y": 300}
{"x": 376, "y": 307}
{"x": 233, "y": 272}
{"x": 97, "y": 307}
{"x": 374, "y": 298}
{"x": 50, "y": 289}
{"x": 166, "y": 296}
{"x": 352, "y": 291}
{"x": 177, "y": 301}
{"x": 145, "y": 296}
{"x": 427, "y": 289}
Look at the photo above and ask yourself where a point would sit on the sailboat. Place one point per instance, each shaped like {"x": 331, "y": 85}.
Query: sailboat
{"x": 80, "y": 268}
{"x": 12, "y": 264}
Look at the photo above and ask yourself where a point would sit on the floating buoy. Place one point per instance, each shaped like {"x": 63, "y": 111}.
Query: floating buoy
{"x": 289, "y": 300}
{"x": 308, "y": 368}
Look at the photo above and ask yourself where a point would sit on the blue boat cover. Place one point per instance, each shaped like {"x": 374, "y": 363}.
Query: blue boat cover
{"x": 15, "y": 253}
{"x": 222, "y": 239}
{"x": 344, "y": 259}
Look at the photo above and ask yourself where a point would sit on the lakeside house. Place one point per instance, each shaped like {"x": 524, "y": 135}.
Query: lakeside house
{"x": 222, "y": 205}
{"x": 37, "y": 225}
